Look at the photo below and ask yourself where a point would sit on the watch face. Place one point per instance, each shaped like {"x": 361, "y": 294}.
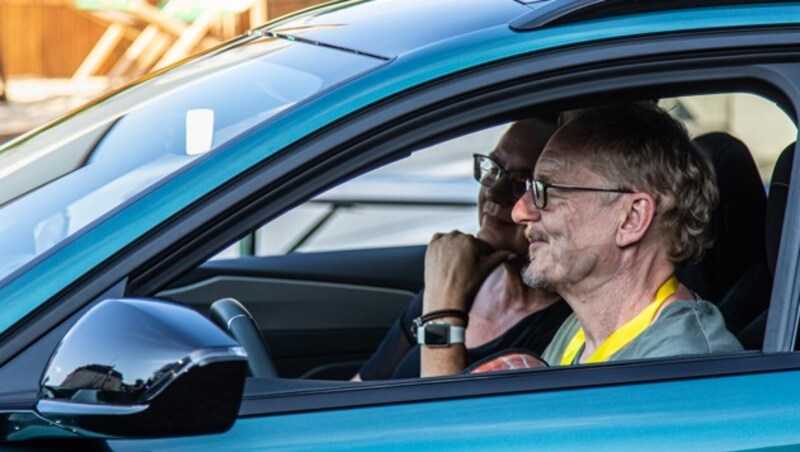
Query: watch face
{"x": 437, "y": 334}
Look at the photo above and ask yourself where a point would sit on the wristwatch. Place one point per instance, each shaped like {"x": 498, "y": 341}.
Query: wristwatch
{"x": 439, "y": 334}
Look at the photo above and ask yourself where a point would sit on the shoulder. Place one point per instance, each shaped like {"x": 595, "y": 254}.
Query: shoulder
{"x": 685, "y": 327}
{"x": 701, "y": 318}
{"x": 553, "y": 353}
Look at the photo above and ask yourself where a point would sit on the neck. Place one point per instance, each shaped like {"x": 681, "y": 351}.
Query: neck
{"x": 604, "y": 304}
{"x": 503, "y": 293}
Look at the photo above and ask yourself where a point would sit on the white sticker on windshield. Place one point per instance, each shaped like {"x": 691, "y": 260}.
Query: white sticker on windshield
{"x": 199, "y": 130}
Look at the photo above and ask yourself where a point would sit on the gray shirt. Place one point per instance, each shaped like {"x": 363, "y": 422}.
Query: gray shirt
{"x": 684, "y": 327}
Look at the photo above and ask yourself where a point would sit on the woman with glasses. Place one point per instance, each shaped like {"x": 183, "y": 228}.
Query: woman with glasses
{"x": 504, "y": 313}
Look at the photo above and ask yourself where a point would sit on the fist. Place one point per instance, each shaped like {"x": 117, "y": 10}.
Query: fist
{"x": 455, "y": 266}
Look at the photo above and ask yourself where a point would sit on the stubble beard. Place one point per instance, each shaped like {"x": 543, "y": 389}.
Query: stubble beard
{"x": 536, "y": 280}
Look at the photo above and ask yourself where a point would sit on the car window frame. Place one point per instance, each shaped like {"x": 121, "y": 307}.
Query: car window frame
{"x": 461, "y": 386}
{"x": 270, "y": 184}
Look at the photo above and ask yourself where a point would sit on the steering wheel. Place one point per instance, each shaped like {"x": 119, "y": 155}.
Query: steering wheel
{"x": 234, "y": 318}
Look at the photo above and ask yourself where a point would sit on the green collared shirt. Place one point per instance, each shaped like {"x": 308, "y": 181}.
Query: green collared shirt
{"x": 684, "y": 327}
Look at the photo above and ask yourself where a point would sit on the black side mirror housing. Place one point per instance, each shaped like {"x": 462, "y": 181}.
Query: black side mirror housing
{"x": 142, "y": 368}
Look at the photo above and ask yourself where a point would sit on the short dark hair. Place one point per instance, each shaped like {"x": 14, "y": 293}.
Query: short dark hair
{"x": 640, "y": 147}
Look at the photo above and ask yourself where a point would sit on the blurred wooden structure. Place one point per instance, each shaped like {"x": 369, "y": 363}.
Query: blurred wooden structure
{"x": 159, "y": 35}
{"x": 2, "y": 73}
{"x": 50, "y": 38}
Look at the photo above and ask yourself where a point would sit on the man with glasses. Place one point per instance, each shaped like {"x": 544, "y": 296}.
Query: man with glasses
{"x": 619, "y": 197}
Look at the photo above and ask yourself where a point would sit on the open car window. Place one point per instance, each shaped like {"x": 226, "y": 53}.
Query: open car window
{"x": 406, "y": 202}
{"x": 401, "y": 204}
{"x": 326, "y": 280}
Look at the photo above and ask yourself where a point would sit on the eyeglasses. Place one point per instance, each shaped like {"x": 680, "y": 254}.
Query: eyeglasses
{"x": 489, "y": 173}
{"x": 539, "y": 190}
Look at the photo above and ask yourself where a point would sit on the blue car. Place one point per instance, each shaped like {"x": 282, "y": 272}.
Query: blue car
{"x": 115, "y": 221}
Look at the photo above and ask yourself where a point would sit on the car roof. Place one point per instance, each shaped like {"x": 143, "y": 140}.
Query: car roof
{"x": 395, "y": 27}
{"x": 389, "y": 28}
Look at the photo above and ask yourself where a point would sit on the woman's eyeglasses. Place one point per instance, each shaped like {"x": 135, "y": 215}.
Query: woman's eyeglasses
{"x": 489, "y": 173}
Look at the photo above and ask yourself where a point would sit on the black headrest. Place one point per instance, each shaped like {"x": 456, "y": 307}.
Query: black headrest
{"x": 776, "y": 205}
{"x": 737, "y": 224}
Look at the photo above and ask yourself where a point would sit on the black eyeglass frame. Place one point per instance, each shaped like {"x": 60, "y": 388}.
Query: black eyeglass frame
{"x": 517, "y": 190}
{"x": 540, "y": 202}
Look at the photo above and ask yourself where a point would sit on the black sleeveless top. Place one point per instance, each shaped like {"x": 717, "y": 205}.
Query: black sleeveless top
{"x": 398, "y": 356}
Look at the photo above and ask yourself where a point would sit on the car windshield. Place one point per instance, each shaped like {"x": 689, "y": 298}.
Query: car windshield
{"x": 70, "y": 173}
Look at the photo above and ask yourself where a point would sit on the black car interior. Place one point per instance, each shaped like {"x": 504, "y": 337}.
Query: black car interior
{"x": 236, "y": 320}
{"x": 752, "y": 335}
{"x": 322, "y": 314}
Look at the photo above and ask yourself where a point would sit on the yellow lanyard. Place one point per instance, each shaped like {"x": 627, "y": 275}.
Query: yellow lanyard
{"x": 626, "y": 333}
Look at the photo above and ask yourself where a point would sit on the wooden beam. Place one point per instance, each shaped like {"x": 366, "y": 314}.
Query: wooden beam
{"x": 100, "y": 52}
{"x": 259, "y": 13}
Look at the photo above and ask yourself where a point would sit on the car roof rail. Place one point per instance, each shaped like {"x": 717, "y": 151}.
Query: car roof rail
{"x": 554, "y": 12}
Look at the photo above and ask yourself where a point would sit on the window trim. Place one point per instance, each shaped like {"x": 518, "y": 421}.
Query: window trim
{"x": 349, "y": 395}
{"x": 342, "y": 395}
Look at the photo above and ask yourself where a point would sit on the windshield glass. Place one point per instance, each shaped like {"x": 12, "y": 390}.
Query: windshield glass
{"x": 56, "y": 181}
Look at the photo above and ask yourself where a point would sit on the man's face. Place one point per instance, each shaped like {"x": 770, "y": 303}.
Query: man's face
{"x": 573, "y": 236}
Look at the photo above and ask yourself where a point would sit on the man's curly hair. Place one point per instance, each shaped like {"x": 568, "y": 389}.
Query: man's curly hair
{"x": 640, "y": 147}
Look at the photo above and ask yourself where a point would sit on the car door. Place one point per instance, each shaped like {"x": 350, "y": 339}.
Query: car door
{"x": 728, "y": 401}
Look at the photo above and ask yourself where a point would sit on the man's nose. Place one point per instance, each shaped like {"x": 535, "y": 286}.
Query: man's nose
{"x": 524, "y": 211}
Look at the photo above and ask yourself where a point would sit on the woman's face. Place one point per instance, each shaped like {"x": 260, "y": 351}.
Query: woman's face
{"x": 517, "y": 151}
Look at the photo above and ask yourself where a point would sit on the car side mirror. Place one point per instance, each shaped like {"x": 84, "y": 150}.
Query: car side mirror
{"x": 143, "y": 368}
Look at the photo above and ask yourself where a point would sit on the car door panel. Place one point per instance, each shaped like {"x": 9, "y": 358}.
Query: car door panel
{"x": 722, "y": 413}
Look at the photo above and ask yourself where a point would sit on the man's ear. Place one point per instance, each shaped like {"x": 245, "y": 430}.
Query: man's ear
{"x": 639, "y": 214}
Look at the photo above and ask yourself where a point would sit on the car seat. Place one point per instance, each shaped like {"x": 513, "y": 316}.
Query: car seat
{"x": 752, "y": 336}
{"x": 733, "y": 274}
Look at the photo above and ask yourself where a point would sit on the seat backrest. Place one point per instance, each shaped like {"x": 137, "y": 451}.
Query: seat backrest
{"x": 752, "y": 335}
{"x": 733, "y": 274}
{"x": 776, "y": 205}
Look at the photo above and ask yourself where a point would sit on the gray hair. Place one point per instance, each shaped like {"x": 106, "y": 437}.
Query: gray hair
{"x": 642, "y": 148}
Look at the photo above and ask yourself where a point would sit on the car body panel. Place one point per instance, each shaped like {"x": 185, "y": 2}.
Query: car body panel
{"x": 396, "y": 28}
{"x": 62, "y": 268}
{"x": 492, "y": 41}
{"x": 388, "y": 31}
{"x": 728, "y": 413}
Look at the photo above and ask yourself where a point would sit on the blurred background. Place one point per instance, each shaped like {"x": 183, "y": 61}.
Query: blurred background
{"x": 55, "y": 55}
